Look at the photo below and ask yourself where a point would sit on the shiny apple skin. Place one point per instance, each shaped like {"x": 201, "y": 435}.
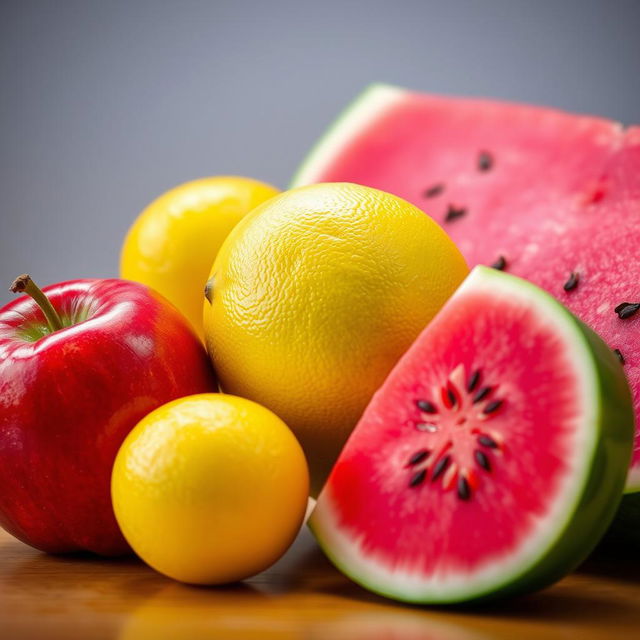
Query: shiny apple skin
{"x": 68, "y": 400}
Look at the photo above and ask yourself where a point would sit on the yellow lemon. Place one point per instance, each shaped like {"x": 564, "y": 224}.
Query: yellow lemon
{"x": 173, "y": 243}
{"x": 315, "y": 296}
{"x": 210, "y": 488}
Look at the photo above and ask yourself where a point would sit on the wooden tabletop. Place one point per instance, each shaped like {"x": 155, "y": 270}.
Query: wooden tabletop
{"x": 301, "y": 597}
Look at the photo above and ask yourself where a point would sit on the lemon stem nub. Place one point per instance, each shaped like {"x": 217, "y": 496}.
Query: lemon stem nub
{"x": 208, "y": 290}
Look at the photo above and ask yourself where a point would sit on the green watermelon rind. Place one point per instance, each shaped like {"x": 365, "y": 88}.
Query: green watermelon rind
{"x": 362, "y": 110}
{"x": 608, "y": 418}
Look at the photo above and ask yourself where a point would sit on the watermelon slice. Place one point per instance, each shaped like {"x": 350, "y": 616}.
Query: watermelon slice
{"x": 550, "y": 196}
{"x": 492, "y": 459}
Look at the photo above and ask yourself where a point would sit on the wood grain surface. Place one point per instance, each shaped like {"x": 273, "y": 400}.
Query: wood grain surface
{"x": 301, "y": 597}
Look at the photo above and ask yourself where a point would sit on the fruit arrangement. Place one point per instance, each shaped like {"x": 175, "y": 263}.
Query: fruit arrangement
{"x": 469, "y": 435}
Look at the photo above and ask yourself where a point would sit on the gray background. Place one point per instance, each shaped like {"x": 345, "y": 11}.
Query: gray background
{"x": 104, "y": 105}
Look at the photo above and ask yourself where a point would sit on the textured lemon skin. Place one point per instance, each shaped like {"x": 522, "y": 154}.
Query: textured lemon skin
{"x": 174, "y": 241}
{"x": 313, "y": 299}
{"x": 210, "y": 488}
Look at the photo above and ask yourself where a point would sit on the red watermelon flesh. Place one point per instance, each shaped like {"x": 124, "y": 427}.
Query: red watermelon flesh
{"x": 545, "y": 193}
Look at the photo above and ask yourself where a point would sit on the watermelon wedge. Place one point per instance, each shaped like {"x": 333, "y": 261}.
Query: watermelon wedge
{"x": 549, "y": 196}
{"x": 492, "y": 459}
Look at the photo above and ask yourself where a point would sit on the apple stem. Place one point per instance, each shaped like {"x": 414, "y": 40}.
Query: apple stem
{"x": 24, "y": 284}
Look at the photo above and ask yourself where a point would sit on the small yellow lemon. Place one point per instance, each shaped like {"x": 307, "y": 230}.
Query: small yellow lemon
{"x": 173, "y": 243}
{"x": 210, "y": 488}
{"x": 315, "y": 296}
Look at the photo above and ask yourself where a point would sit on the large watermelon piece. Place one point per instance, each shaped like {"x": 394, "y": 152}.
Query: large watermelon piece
{"x": 491, "y": 460}
{"x": 550, "y": 196}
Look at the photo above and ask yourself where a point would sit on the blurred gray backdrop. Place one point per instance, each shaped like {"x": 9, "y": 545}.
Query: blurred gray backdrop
{"x": 105, "y": 104}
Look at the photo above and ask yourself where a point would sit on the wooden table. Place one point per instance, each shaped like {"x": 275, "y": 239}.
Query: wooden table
{"x": 301, "y": 597}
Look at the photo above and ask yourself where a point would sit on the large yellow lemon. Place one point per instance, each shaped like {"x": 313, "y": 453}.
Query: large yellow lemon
{"x": 315, "y": 296}
{"x": 173, "y": 243}
{"x": 210, "y": 488}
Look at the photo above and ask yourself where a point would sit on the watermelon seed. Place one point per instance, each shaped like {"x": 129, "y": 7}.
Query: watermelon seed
{"x": 482, "y": 460}
{"x": 481, "y": 395}
{"x": 619, "y": 354}
{"x": 485, "y": 161}
{"x": 499, "y": 264}
{"x": 492, "y": 406}
{"x": 473, "y": 380}
{"x": 487, "y": 441}
{"x": 426, "y": 426}
{"x": 434, "y": 191}
{"x": 426, "y": 406}
{"x": 464, "y": 490}
{"x": 451, "y": 397}
{"x": 440, "y": 468}
{"x": 627, "y": 309}
{"x": 453, "y": 213}
{"x": 572, "y": 282}
{"x": 418, "y": 456}
{"x": 417, "y": 478}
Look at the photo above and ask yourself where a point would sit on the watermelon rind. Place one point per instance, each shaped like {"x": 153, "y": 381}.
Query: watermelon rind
{"x": 366, "y": 107}
{"x": 580, "y": 515}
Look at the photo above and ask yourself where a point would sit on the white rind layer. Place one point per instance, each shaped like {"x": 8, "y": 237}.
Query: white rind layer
{"x": 366, "y": 108}
{"x": 345, "y": 549}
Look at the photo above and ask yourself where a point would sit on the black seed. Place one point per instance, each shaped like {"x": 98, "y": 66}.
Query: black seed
{"x": 572, "y": 282}
{"x": 440, "y": 467}
{"x": 499, "y": 264}
{"x": 482, "y": 460}
{"x": 473, "y": 380}
{"x": 417, "y": 478}
{"x": 481, "y": 395}
{"x": 426, "y": 406}
{"x": 464, "y": 490}
{"x": 492, "y": 406}
{"x": 627, "y": 309}
{"x": 452, "y": 397}
{"x": 453, "y": 213}
{"x": 619, "y": 354}
{"x": 418, "y": 456}
{"x": 434, "y": 191}
{"x": 485, "y": 161}
{"x": 487, "y": 441}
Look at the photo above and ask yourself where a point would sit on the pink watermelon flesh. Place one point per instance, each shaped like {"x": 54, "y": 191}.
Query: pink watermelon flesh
{"x": 547, "y": 193}
{"x": 523, "y": 484}
{"x": 470, "y": 462}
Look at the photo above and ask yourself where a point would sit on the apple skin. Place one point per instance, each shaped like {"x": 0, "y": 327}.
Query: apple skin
{"x": 68, "y": 400}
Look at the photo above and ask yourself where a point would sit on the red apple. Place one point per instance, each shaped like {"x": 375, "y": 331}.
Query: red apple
{"x": 78, "y": 370}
